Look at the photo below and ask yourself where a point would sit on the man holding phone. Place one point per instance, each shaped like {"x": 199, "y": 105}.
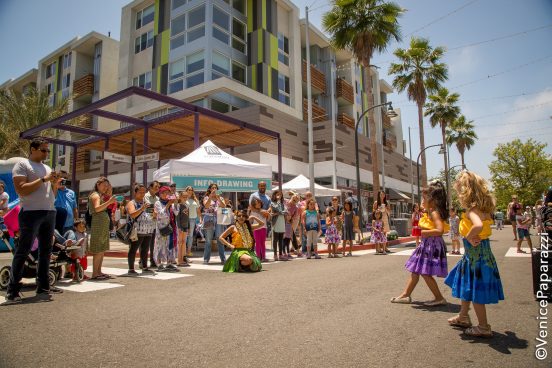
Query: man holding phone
{"x": 37, "y": 187}
{"x": 66, "y": 201}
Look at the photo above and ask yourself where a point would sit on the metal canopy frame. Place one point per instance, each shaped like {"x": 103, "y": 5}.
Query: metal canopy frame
{"x": 136, "y": 125}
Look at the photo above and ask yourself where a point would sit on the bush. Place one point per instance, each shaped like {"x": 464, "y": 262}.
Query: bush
{"x": 392, "y": 235}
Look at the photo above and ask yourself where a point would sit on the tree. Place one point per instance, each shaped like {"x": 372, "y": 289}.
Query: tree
{"x": 364, "y": 27}
{"x": 442, "y": 110}
{"x": 19, "y": 112}
{"x": 520, "y": 168}
{"x": 461, "y": 133}
{"x": 419, "y": 72}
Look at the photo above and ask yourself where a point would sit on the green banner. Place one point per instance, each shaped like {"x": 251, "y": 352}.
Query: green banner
{"x": 201, "y": 183}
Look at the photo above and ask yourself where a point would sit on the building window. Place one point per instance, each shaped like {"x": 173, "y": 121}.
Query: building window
{"x": 219, "y": 106}
{"x": 144, "y": 16}
{"x": 66, "y": 81}
{"x": 196, "y": 23}
{"x": 143, "y": 81}
{"x": 51, "y": 70}
{"x": 67, "y": 60}
{"x": 221, "y": 25}
{"x": 178, "y": 27}
{"x": 188, "y": 70}
{"x": 238, "y": 72}
{"x": 143, "y": 42}
{"x": 239, "y": 32}
{"x": 239, "y": 5}
{"x": 283, "y": 49}
{"x": 283, "y": 89}
{"x": 50, "y": 88}
{"x": 177, "y": 3}
{"x": 221, "y": 65}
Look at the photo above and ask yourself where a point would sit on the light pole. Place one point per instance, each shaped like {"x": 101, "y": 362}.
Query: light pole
{"x": 390, "y": 110}
{"x": 441, "y": 151}
{"x": 411, "y": 173}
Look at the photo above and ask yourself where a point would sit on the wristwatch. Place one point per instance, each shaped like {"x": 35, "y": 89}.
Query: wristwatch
{"x": 43, "y": 180}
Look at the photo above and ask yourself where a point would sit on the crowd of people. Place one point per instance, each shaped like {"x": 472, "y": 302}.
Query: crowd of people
{"x": 161, "y": 223}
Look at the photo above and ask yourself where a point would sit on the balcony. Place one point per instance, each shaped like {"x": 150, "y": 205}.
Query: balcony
{"x": 343, "y": 118}
{"x": 318, "y": 79}
{"x": 318, "y": 112}
{"x": 345, "y": 92}
{"x": 83, "y": 86}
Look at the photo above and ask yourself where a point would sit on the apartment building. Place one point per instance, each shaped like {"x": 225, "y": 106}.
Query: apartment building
{"x": 247, "y": 59}
{"x": 82, "y": 70}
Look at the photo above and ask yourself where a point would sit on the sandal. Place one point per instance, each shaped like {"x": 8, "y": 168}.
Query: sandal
{"x": 521, "y": 251}
{"x": 107, "y": 277}
{"x": 99, "y": 278}
{"x": 403, "y": 300}
{"x": 460, "y": 321}
{"x": 479, "y": 331}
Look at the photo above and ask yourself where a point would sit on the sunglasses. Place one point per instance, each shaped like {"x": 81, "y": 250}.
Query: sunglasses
{"x": 44, "y": 150}
{"x": 241, "y": 216}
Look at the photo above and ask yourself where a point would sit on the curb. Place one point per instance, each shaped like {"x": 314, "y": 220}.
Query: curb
{"x": 408, "y": 239}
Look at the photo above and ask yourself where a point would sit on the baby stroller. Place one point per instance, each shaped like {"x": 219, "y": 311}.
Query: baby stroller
{"x": 61, "y": 254}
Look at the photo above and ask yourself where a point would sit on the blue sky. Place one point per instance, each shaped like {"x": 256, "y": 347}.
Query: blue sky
{"x": 517, "y": 102}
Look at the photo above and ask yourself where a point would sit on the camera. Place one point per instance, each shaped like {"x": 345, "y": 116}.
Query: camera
{"x": 65, "y": 182}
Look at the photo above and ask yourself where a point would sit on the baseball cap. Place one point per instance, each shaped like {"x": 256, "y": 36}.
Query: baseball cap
{"x": 164, "y": 189}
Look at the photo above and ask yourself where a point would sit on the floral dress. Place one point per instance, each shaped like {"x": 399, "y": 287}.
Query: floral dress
{"x": 378, "y": 235}
{"x": 454, "y": 232}
{"x": 332, "y": 234}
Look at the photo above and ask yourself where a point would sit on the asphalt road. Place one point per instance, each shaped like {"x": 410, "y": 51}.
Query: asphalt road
{"x": 302, "y": 313}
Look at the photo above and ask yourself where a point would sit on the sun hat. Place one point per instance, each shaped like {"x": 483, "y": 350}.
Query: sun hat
{"x": 164, "y": 188}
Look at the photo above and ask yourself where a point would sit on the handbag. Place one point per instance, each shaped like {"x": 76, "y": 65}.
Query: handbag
{"x": 166, "y": 230}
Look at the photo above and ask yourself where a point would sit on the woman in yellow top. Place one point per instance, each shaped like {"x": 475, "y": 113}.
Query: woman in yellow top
{"x": 475, "y": 279}
{"x": 429, "y": 258}
{"x": 243, "y": 258}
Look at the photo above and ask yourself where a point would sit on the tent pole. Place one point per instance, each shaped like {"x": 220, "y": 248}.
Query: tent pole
{"x": 280, "y": 175}
{"x": 196, "y": 130}
{"x": 145, "y": 165}
{"x": 106, "y": 163}
{"x": 133, "y": 169}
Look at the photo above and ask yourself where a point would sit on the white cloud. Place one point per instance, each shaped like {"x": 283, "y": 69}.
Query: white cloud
{"x": 462, "y": 63}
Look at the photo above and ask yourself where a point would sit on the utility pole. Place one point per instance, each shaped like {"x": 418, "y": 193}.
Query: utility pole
{"x": 411, "y": 173}
{"x": 309, "y": 105}
{"x": 334, "y": 113}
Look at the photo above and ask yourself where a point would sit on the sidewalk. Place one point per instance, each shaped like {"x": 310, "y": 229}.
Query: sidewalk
{"x": 120, "y": 250}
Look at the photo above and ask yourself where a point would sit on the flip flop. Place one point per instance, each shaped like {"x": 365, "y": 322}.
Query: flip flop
{"x": 99, "y": 278}
{"x": 403, "y": 300}
{"x": 107, "y": 277}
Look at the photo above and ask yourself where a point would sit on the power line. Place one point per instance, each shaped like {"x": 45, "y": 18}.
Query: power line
{"x": 514, "y": 110}
{"x": 500, "y": 38}
{"x": 510, "y": 123}
{"x": 406, "y": 103}
{"x": 519, "y": 136}
{"x": 501, "y": 72}
{"x": 442, "y": 17}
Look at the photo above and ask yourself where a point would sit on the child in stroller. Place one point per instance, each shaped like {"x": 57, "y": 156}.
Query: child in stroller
{"x": 60, "y": 253}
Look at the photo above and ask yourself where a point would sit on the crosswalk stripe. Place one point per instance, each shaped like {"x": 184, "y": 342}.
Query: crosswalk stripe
{"x": 512, "y": 252}
{"x": 157, "y": 276}
{"x": 86, "y": 286}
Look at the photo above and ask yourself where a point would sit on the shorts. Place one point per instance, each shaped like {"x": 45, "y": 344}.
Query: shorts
{"x": 512, "y": 218}
{"x": 522, "y": 233}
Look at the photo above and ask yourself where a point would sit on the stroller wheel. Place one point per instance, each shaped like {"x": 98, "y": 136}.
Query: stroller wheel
{"x": 79, "y": 272}
{"x": 5, "y": 273}
{"x": 52, "y": 277}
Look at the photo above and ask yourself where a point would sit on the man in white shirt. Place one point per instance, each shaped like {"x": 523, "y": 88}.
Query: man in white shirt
{"x": 151, "y": 197}
{"x": 37, "y": 186}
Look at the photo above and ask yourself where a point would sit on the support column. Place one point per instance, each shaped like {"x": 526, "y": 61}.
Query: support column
{"x": 133, "y": 168}
{"x": 196, "y": 130}
{"x": 106, "y": 163}
{"x": 280, "y": 174}
{"x": 74, "y": 183}
{"x": 145, "y": 165}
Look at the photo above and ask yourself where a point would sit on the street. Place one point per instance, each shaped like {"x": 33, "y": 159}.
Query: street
{"x": 300, "y": 313}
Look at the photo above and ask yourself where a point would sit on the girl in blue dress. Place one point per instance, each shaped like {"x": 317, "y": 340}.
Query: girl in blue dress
{"x": 475, "y": 279}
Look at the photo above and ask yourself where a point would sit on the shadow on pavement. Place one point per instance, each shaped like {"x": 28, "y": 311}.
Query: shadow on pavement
{"x": 451, "y": 308}
{"x": 501, "y": 342}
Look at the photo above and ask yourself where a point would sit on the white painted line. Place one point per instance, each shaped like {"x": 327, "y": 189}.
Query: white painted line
{"x": 87, "y": 286}
{"x": 512, "y": 252}
{"x": 114, "y": 271}
{"x": 165, "y": 276}
{"x": 201, "y": 266}
{"x": 407, "y": 252}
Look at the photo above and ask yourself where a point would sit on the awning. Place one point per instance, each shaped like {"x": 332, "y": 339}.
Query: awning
{"x": 396, "y": 195}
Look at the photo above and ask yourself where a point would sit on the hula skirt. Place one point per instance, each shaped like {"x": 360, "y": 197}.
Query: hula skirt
{"x": 476, "y": 278}
{"x": 233, "y": 262}
{"x": 429, "y": 258}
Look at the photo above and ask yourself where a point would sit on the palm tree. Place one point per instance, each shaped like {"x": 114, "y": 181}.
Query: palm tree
{"x": 442, "y": 110}
{"x": 19, "y": 112}
{"x": 419, "y": 72}
{"x": 364, "y": 27}
{"x": 461, "y": 133}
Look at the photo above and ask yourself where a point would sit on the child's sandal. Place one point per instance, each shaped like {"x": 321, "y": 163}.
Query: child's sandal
{"x": 479, "y": 331}
{"x": 460, "y": 321}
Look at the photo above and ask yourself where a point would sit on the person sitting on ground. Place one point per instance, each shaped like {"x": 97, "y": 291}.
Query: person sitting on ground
{"x": 242, "y": 258}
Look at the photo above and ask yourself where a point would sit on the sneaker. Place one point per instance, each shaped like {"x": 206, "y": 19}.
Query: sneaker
{"x": 205, "y": 262}
{"x": 13, "y": 298}
{"x": 140, "y": 265}
{"x": 153, "y": 264}
{"x": 316, "y": 256}
{"x": 161, "y": 268}
{"x": 147, "y": 271}
{"x": 130, "y": 273}
{"x": 172, "y": 268}
{"x": 189, "y": 254}
{"x": 308, "y": 257}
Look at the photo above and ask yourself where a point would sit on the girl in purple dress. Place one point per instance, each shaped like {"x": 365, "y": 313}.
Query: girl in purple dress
{"x": 429, "y": 258}
{"x": 378, "y": 235}
{"x": 332, "y": 234}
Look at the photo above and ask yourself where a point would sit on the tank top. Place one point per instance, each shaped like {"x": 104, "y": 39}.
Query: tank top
{"x": 466, "y": 225}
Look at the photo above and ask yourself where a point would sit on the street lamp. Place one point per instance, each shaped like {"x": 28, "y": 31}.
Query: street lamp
{"x": 441, "y": 152}
{"x": 390, "y": 112}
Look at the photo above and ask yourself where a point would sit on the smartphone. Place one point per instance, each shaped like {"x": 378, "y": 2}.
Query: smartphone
{"x": 120, "y": 198}
{"x": 149, "y": 209}
{"x": 172, "y": 197}
{"x": 219, "y": 192}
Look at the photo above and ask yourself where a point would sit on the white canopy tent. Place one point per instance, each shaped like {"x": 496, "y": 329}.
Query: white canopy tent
{"x": 301, "y": 184}
{"x": 210, "y": 164}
